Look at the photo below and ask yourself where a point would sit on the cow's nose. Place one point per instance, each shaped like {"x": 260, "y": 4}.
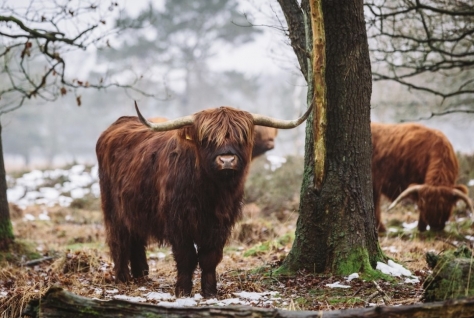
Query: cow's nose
{"x": 226, "y": 161}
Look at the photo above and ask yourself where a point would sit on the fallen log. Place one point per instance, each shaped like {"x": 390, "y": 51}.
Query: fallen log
{"x": 60, "y": 303}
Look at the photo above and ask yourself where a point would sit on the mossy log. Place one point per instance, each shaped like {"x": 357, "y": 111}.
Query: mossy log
{"x": 452, "y": 277}
{"x": 60, "y": 303}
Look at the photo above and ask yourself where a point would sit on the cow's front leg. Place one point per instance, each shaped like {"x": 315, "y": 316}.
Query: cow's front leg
{"x": 186, "y": 261}
{"x": 422, "y": 224}
{"x": 208, "y": 261}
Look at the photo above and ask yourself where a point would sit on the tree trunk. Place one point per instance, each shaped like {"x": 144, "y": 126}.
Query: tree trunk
{"x": 58, "y": 303}
{"x": 6, "y": 229}
{"x": 336, "y": 226}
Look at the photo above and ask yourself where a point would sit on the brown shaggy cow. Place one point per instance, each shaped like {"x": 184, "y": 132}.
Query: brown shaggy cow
{"x": 179, "y": 182}
{"x": 414, "y": 161}
{"x": 264, "y": 137}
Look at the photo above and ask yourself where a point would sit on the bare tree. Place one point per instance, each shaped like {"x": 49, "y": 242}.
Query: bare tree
{"x": 425, "y": 45}
{"x": 37, "y": 43}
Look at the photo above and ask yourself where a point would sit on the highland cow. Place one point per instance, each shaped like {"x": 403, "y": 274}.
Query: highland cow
{"x": 177, "y": 182}
{"x": 264, "y": 140}
{"x": 413, "y": 161}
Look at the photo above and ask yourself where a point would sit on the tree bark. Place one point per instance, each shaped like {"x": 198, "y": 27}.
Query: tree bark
{"x": 336, "y": 226}
{"x": 319, "y": 87}
{"x": 59, "y": 303}
{"x": 6, "y": 229}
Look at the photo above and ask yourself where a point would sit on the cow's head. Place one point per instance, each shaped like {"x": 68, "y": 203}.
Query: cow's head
{"x": 223, "y": 136}
{"x": 435, "y": 203}
{"x": 264, "y": 140}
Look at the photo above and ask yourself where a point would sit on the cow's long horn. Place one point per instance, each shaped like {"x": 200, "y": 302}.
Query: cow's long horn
{"x": 282, "y": 124}
{"x": 465, "y": 198}
{"x": 165, "y": 126}
{"x": 410, "y": 190}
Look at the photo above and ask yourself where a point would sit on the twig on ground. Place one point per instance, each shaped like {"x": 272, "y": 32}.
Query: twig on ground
{"x": 35, "y": 262}
{"x": 387, "y": 300}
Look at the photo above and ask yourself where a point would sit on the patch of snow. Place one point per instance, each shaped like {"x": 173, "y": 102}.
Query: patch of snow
{"x": 15, "y": 193}
{"x": 112, "y": 291}
{"x": 44, "y": 215}
{"x": 64, "y": 201}
{"x": 337, "y": 284}
{"x": 95, "y": 172}
{"x": 3, "y": 294}
{"x": 159, "y": 296}
{"x": 403, "y": 271}
{"x": 470, "y": 238}
{"x": 98, "y": 291}
{"x": 391, "y": 249}
{"x": 413, "y": 280}
{"x": 81, "y": 180}
{"x": 49, "y": 193}
{"x": 470, "y": 183}
{"x": 253, "y": 295}
{"x": 77, "y": 169}
{"x": 232, "y": 301}
{"x": 129, "y": 298}
{"x": 212, "y": 301}
{"x": 29, "y": 217}
{"x": 410, "y": 226}
{"x": 351, "y": 276}
{"x": 275, "y": 161}
{"x": 79, "y": 192}
{"x": 95, "y": 189}
{"x": 181, "y": 302}
{"x": 396, "y": 270}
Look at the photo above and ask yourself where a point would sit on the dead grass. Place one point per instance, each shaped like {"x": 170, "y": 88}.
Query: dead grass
{"x": 75, "y": 238}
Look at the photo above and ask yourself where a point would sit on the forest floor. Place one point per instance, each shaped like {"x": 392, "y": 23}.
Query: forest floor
{"x": 70, "y": 245}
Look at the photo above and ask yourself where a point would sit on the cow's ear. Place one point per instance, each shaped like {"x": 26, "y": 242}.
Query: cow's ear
{"x": 186, "y": 133}
{"x": 462, "y": 188}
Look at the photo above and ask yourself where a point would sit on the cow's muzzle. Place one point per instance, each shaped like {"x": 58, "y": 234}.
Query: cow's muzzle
{"x": 227, "y": 161}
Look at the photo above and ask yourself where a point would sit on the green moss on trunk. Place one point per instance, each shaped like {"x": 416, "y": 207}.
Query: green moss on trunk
{"x": 6, "y": 234}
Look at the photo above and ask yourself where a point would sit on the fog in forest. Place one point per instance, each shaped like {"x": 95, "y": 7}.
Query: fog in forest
{"x": 219, "y": 60}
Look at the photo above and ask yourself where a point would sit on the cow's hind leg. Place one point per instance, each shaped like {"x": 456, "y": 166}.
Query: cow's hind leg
{"x": 119, "y": 244}
{"x": 118, "y": 237}
{"x": 138, "y": 257}
{"x": 208, "y": 261}
{"x": 186, "y": 262}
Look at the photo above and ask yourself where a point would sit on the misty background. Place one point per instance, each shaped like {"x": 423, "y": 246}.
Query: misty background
{"x": 192, "y": 55}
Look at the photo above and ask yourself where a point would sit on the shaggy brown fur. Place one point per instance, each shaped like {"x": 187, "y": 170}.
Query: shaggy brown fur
{"x": 264, "y": 140}
{"x": 406, "y": 154}
{"x": 182, "y": 187}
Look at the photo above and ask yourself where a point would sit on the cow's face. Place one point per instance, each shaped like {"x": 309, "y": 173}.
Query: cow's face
{"x": 224, "y": 140}
{"x": 436, "y": 205}
{"x": 264, "y": 139}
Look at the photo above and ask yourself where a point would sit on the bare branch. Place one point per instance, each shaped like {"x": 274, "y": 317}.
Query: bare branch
{"x": 410, "y": 38}
{"x": 35, "y": 43}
